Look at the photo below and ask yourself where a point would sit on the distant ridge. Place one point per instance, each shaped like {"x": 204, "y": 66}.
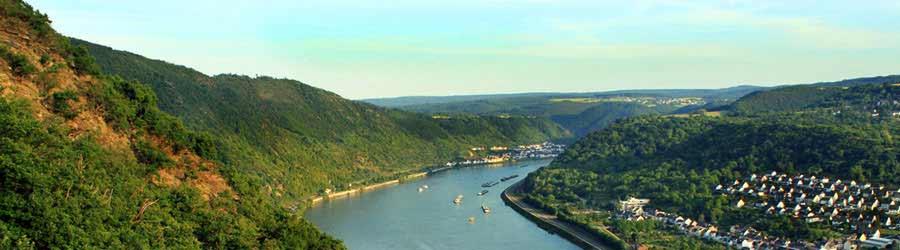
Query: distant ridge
{"x": 401, "y": 101}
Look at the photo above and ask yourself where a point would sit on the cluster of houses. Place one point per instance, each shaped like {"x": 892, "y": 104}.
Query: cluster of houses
{"x": 491, "y": 148}
{"x": 818, "y": 199}
{"x": 744, "y": 237}
{"x": 654, "y": 101}
{"x": 523, "y": 152}
{"x": 860, "y": 210}
{"x": 537, "y": 151}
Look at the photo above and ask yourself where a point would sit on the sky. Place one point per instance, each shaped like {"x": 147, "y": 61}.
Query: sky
{"x": 366, "y": 49}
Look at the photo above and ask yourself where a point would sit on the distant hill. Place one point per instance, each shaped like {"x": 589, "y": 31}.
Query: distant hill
{"x": 298, "y": 140}
{"x": 394, "y": 102}
{"x": 580, "y": 113}
{"x": 818, "y": 95}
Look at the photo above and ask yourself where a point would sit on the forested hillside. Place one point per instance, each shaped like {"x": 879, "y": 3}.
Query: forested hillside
{"x": 298, "y": 140}
{"x": 800, "y": 97}
{"x": 88, "y": 161}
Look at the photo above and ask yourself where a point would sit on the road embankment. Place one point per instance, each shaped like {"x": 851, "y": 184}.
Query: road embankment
{"x": 574, "y": 233}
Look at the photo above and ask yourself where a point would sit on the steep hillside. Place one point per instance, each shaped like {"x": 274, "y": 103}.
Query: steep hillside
{"x": 800, "y": 97}
{"x": 299, "y": 139}
{"x": 88, "y": 161}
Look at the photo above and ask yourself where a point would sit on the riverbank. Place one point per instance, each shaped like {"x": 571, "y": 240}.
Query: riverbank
{"x": 511, "y": 196}
{"x": 345, "y": 193}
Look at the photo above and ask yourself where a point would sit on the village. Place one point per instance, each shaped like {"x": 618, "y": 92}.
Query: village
{"x": 860, "y": 211}
{"x": 499, "y": 154}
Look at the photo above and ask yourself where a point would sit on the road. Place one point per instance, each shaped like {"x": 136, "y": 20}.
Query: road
{"x": 582, "y": 237}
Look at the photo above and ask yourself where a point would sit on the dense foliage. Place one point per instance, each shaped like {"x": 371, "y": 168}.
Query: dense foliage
{"x": 58, "y": 193}
{"x": 831, "y": 95}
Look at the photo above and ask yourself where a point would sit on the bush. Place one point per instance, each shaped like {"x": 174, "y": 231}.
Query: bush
{"x": 149, "y": 155}
{"x": 37, "y": 21}
{"x": 81, "y": 61}
{"x": 60, "y": 103}
{"x": 18, "y": 62}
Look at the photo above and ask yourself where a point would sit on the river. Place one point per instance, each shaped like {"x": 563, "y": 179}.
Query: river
{"x": 400, "y": 217}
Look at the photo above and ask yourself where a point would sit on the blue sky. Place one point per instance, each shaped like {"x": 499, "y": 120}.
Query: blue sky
{"x": 362, "y": 49}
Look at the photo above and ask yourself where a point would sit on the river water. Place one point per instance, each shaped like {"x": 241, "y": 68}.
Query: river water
{"x": 400, "y": 217}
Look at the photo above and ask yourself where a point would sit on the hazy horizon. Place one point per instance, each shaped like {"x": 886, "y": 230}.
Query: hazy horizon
{"x": 361, "y": 49}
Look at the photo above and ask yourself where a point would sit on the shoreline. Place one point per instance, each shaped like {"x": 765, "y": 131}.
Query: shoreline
{"x": 346, "y": 193}
{"x": 550, "y": 223}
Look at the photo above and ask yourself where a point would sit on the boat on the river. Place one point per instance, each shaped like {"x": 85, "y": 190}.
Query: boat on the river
{"x": 485, "y": 208}
{"x": 509, "y": 177}
{"x": 482, "y": 192}
{"x": 458, "y": 200}
{"x": 422, "y": 188}
{"x": 490, "y": 184}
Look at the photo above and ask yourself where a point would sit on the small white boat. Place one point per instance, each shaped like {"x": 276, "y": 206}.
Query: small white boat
{"x": 458, "y": 200}
{"x": 485, "y": 208}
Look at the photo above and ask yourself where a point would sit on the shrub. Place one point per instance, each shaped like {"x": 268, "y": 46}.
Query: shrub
{"x": 149, "y": 155}
{"x": 81, "y": 61}
{"x": 60, "y": 103}
{"x": 18, "y": 62}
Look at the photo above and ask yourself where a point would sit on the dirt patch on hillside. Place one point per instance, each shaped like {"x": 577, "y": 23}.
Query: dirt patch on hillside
{"x": 190, "y": 169}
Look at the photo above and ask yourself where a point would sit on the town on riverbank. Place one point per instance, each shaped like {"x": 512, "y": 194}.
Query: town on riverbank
{"x": 500, "y": 154}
